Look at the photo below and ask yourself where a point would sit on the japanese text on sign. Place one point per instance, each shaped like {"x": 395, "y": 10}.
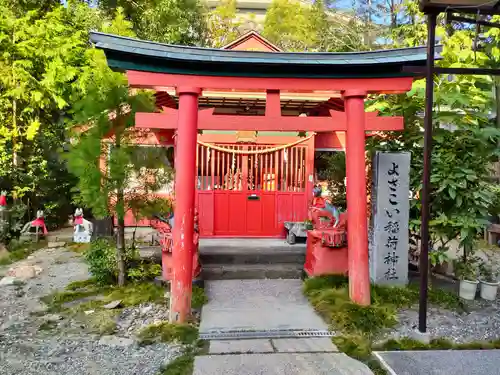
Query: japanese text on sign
{"x": 392, "y": 228}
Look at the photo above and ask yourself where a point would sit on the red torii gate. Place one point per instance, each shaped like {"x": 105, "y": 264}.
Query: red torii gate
{"x": 191, "y": 70}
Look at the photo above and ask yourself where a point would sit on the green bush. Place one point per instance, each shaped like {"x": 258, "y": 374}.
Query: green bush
{"x": 11, "y": 223}
{"x": 101, "y": 258}
{"x": 144, "y": 271}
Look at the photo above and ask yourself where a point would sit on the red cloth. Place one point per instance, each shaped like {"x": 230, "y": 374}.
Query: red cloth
{"x": 324, "y": 260}
{"x": 3, "y": 200}
{"x": 318, "y": 202}
{"x": 40, "y": 222}
{"x": 78, "y": 220}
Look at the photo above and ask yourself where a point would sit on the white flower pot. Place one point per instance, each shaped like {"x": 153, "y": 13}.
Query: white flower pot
{"x": 489, "y": 290}
{"x": 468, "y": 289}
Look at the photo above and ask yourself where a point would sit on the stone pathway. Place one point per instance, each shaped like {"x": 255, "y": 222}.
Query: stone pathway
{"x": 66, "y": 349}
{"x": 441, "y": 362}
{"x": 272, "y": 306}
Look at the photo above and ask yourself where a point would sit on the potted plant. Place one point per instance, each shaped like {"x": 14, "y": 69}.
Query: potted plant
{"x": 489, "y": 280}
{"x": 466, "y": 271}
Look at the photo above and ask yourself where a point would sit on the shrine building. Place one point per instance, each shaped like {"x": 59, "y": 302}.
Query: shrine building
{"x": 252, "y": 177}
{"x": 245, "y": 122}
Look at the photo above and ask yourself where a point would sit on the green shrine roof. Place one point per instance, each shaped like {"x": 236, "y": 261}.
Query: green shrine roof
{"x": 133, "y": 54}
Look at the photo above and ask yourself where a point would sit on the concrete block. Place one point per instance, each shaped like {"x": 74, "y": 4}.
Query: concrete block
{"x": 304, "y": 345}
{"x": 240, "y": 346}
{"x": 280, "y": 364}
{"x": 53, "y": 244}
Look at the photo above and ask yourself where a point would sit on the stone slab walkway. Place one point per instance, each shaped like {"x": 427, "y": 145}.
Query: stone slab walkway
{"x": 437, "y": 362}
{"x": 257, "y": 305}
{"x": 267, "y": 305}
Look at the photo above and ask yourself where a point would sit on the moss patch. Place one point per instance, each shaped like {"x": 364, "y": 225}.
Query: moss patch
{"x": 56, "y": 301}
{"x": 199, "y": 297}
{"x": 436, "y": 344}
{"x": 183, "y": 365}
{"x": 360, "y": 325}
{"x": 167, "y": 332}
{"x": 79, "y": 248}
{"x": 21, "y": 250}
{"x": 130, "y": 294}
{"x": 102, "y": 322}
{"x": 81, "y": 284}
{"x": 135, "y": 294}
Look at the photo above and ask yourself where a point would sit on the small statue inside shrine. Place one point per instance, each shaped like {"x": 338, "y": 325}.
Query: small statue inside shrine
{"x": 164, "y": 226}
{"x": 37, "y": 224}
{"x": 82, "y": 228}
{"x": 323, "y": 204}
{"x": 326, "y": 251}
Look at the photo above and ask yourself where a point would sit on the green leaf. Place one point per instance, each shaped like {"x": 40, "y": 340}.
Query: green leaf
{"x": 32, "y": 130}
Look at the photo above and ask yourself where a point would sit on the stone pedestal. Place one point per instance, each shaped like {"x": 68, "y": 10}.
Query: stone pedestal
{"x": 389, "y": 246}
{"x": 81, "y": 235}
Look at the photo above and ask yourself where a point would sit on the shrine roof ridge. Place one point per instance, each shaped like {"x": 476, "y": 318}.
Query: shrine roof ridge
{"x": 125, "y": 53}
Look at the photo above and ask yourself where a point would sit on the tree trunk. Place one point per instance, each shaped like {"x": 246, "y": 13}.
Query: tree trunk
{"x": 120, "y": 214}
{"x": 120, "y": 241}
{"x": 497, "y": 102}
{"x": 393, "y": 14}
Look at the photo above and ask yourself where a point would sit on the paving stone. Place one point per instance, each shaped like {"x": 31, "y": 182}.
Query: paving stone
{"x": 24, "y": 271}
{"x": 240, "y": 346}
{"x": 280, "y": 364}
{"x": 116, "y": 341}
{"x": 8, "y": 280}
{"x": 456, "y": 362}
{"x": 304, "y": 345}
{"x": 257, "y": 305}
{"x": 54, "y": 244}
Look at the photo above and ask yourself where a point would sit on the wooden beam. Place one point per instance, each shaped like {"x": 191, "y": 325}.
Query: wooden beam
{"x": 273, "y": 103}
{"x": 208, "y": 121}
{"x": 261, "y": 139}
{"x": 159, "y": 81}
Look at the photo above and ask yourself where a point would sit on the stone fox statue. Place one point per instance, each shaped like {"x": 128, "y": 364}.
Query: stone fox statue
{"x": 81, "y": 223}
{"x": 320, "y": 202}
{"x": 39, "y": 222}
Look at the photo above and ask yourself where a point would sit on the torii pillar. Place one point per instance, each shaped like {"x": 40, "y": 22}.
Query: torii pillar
{"x": 357, "y": 219}
{"x": 185, "y": 175}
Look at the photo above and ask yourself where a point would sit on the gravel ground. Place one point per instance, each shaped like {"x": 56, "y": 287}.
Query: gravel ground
{"x": 26, "y": 349}
{"x": 132, "y": 319}
{"x": 480, "y": 323}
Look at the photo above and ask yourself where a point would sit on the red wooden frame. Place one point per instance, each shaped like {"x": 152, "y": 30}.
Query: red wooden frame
{"x": 158, "y": 81}
{"x": 208, "y": 121}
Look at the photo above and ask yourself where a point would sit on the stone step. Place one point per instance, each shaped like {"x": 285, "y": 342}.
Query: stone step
{"x": 249, "y": 256}
{"x": 251, "y": 271}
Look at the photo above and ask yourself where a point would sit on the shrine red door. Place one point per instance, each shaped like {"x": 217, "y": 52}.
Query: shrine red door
{"x": 251, "y": 190}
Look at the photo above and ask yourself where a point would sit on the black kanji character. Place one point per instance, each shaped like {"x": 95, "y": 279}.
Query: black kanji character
{"x": 390, "y": 274}
{"x": 392, "y": 242}
{"x": 393, "y": 182}
{"x": 392, "y": 227}
{"x": 391, "y": 258}
{"x": 393, "y": 170}
{"x": 389, "y": 214}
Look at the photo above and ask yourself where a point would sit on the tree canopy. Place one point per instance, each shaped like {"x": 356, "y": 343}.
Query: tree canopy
{"x": 50, "y": 76}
